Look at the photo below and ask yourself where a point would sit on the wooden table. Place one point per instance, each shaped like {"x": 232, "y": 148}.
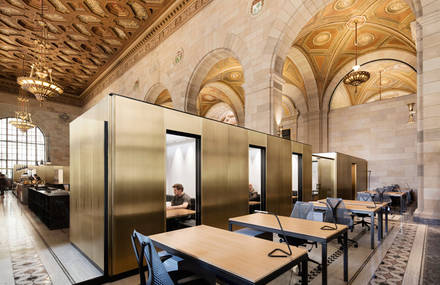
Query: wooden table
{"x": 298, "y": 228}
{"x": 252, "y": 203}
{"x": 232, "y": 257}
{"x": 401, "y": 195}
{"x": 176, "y": 213}
{"x": 364, "y": 207}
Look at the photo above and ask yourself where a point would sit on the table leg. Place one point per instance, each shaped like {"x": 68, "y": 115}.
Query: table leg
{"x": 304, "y": 273}
{"x": 345, "y": 256}
{"x": 324, "y": 263}
{"x": 401, "y": 204}
{"x": 386, "y": 219}
{"x": 230, "y": 226}
{"x": 380, "y": 225}
{"x": 372, "y": 230}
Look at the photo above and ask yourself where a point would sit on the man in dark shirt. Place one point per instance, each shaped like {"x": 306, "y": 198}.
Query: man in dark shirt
{"x": 180, "y": 200}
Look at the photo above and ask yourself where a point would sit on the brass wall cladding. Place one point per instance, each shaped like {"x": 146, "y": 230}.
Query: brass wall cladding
{"x": 342, "y": 174}
{"x": 326, "y": 177}
{"x": 344, "y": 164}
{"x": 136, "y": 170}
{"x": 138, "y": 176}
{"x": 87, "y": 182}
{"x": 307, "y": 172}
{"x": 224, "y": 173}
{"x": 279, "y": 176}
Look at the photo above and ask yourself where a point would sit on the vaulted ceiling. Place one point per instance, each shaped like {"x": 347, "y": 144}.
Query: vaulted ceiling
{"x": 328, "y": 43}
{"x": 85, "y": 36}
{"x": 222, "y": 85}
{"x": 393, "y": 79}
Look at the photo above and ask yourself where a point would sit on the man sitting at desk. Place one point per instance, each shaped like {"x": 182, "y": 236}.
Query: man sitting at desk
{"x": 253, "y": 195}
{"x": 180, "y": 200}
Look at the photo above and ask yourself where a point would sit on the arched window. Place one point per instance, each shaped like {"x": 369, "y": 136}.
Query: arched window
{"x": 17, "y": 147}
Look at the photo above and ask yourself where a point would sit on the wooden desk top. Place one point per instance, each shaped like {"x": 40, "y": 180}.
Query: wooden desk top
{"x": 354, "y": 207}
{"x": 175, "y": 213}
{"x": 241, "y": 255}
{"x": 366, "y": 203}
{"x": 294, "y": 197}
{"x": 254, "y": 203}
{"x": 306, "y": 228}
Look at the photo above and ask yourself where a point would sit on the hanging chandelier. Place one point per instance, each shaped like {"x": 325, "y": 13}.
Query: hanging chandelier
{"x": 356, "y": 77}
{"x": 40, "y": 82}
{"x": 23, "y": 119}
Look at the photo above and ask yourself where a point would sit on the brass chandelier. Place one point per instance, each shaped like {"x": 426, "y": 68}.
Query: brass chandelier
{"x": 40, "y": 82}
{"x": 23, "y": 119}
{"x": 356, "y": 77}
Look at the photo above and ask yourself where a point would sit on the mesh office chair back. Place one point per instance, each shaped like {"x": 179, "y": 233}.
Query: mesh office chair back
{"x": 338, "y": 213}
{"x": 363, "y": 196}
{"x": 381, "y": 197}
{"x": 157, "y": 274}
{"x": 302, "y": 210}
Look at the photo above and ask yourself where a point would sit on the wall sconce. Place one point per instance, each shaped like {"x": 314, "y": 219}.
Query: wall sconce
{"x": 280, "y": 130}
{"x": 411, "y": 113}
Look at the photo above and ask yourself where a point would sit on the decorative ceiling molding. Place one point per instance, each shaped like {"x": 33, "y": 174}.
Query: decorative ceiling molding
{"x": 328, "y": 43}
{"x": 90, "y": 39}
{"x": 174, "y": 18}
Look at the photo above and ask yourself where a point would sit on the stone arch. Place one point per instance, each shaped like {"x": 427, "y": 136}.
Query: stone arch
{"x": 199, "y": 73}
{"x": 232, "y": 46}
{"x": 296, "y": 96}
{"x": 154, "y": 92}
{"x": 299, "y": 59}
{"x": 237, "y": 105}
{"x": 397, "y": 55}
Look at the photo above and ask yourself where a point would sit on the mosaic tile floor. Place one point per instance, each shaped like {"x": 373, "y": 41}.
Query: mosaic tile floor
{"x": 393, "y": 266}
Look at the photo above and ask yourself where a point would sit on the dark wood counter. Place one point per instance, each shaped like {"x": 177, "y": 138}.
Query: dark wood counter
{"x": 51, "y": 207}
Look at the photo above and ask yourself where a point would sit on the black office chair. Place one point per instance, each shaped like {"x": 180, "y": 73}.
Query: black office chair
{"x": 302, "y": 210}
{"x": 157, "y": 272}
{"x": 337, "y": 213}
{"x": 363, "y": 196}
{"x": 380, "y": 197}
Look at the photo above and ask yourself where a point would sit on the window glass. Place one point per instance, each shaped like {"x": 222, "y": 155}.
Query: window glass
{"x": 17, "y": 147}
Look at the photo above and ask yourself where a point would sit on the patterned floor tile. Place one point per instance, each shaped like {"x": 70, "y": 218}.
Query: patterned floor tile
{"x": 393, "y": 266}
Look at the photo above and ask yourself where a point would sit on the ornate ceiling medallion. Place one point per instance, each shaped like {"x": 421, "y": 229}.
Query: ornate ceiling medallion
{"x": 322, "y": 38}
{"x": 396, "y": 7}
{"x": 365, "y": 39}
{"x": 343, "y": 4}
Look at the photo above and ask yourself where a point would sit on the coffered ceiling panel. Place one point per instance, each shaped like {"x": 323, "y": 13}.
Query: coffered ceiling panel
{"x": 85, "y": 36}
{"x": 328, "y": 43}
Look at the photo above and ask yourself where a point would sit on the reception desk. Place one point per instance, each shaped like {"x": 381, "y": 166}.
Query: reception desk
{"x": 51, "y": 206}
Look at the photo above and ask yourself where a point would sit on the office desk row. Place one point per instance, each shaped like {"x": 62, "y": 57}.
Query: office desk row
{"x": 403, "y": 196}
{"x": 369, "y": 208}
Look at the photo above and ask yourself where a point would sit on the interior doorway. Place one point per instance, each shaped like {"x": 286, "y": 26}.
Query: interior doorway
{"x": 183, "y": 167}
{"x": 297, "y": 183}
{"x": 257, "y": 178}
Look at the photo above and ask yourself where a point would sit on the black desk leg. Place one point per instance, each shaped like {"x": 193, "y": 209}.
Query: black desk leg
{"x": 401, "y": 204}
{"x": 372, "y": 230}
{"x": 304, "y": 273}
{"x": 380, "y": 225}
{"x": 230, "y": 226}
{"x": 386, "y": 219}
{"x": 324, "y": 263}
{"x": 345, "y": 256}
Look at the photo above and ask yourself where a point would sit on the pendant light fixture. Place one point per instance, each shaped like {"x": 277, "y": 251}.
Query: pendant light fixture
{"x": 356, "y": 77}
